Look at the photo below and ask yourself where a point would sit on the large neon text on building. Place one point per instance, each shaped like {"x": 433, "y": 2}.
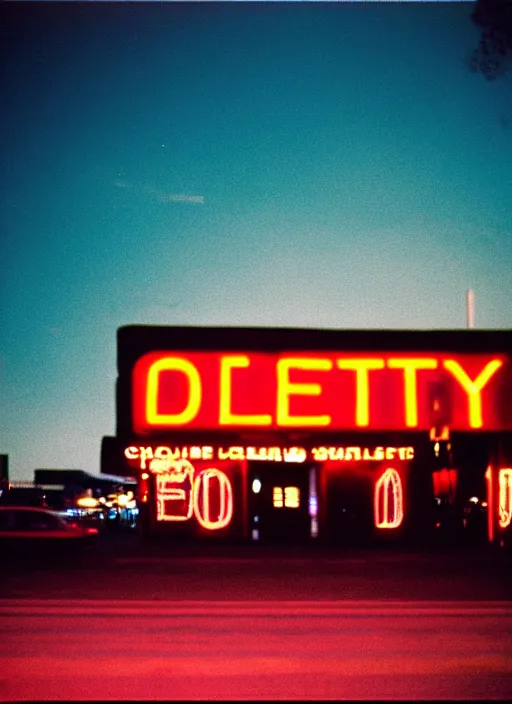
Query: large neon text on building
{"x": 181, "y": 493}
{"x": 215, "y": 390}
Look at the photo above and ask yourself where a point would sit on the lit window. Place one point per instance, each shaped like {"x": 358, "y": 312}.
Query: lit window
{"x": 292, "y": 497}
{"x": 277, "y": 497}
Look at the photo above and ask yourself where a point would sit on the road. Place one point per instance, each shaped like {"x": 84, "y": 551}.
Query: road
{"x": 84, "y": 650}
{"x": 124, "y": 622}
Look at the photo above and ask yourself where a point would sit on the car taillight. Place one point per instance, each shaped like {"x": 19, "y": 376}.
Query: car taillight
{"x": 91, "y": 531}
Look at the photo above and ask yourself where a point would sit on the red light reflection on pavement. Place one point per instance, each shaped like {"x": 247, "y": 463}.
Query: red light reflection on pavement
{"x": 263, "y": 650}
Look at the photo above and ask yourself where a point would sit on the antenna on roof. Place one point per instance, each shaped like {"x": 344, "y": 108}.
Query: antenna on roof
{"x": 470, "y": 309}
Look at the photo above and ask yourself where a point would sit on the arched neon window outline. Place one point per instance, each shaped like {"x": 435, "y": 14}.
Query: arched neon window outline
{"x": 388, "y": 517}
{"x": 201, "y": 490}
{"x": 505, "y": 497}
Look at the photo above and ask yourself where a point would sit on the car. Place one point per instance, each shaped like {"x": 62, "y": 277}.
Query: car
{"x": 29, "y": 526}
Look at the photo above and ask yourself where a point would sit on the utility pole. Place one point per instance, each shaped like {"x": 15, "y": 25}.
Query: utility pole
{"x": 470, "y": 309}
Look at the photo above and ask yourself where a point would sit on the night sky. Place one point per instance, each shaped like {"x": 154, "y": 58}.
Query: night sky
{"x": 277, "y": 164}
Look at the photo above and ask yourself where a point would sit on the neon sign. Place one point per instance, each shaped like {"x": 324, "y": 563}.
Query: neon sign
{"x": 157, "y": 459}
{"x": 179, "y": 495}
{"x": 203, "y": 491}
{"x": 388, "y": 500}
{"x": 331, "y": 391}
{"x": 505, "y": 497}
{"x": 174, "y": 492}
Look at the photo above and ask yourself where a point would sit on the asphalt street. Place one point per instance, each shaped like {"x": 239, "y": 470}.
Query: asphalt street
{"x": 124, "y": 620}
{"x": 120, "y": 566}
{"x": 267, "y": 650}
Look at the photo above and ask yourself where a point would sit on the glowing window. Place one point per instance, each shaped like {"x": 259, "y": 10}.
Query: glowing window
{"x": 388, "y": 500}
{"x": 505, "y": 497}
{"x": 277, "y": 497}
{"x": 292, "y": 496}
{"x": 289, "y": 498}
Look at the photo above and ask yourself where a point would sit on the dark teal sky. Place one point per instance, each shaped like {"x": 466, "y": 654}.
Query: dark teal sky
{"x": 290, "y": 164}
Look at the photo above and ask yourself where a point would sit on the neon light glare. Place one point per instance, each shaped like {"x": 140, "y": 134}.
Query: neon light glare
{"x": 212, "y": 389}
{"x": 388, "y": 500}
{"x": 87, "y": 502}
{"x": 505, "y": 497}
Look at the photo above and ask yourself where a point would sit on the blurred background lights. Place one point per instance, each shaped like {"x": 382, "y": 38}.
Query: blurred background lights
{"x": 256, "y": 486}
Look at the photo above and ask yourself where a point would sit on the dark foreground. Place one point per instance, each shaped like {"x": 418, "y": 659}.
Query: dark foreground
{"x": 120, "y": 566}
{"x": 76, "y": 650}
{"x": 124, "y": 621}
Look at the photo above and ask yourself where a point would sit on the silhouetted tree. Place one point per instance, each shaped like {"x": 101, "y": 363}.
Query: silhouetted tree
{"x": 495, "y": 47}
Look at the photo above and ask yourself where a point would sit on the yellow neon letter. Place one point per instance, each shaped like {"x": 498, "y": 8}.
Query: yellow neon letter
{"x": 225, "y": 415}
{"x": 361, "y": 368}
{"x": 473, "y": 388}
{"x": 131, "y": 453}
{"x": 410, "y": 366}
{"x": 194, "y": 398}
{"x": 387, "y": 516}
{"x": 285, "y": 388}
{"x": 505, "y": 500}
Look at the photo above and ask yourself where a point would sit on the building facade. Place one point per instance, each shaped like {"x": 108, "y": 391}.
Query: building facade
{"x": 342, "y": 436}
